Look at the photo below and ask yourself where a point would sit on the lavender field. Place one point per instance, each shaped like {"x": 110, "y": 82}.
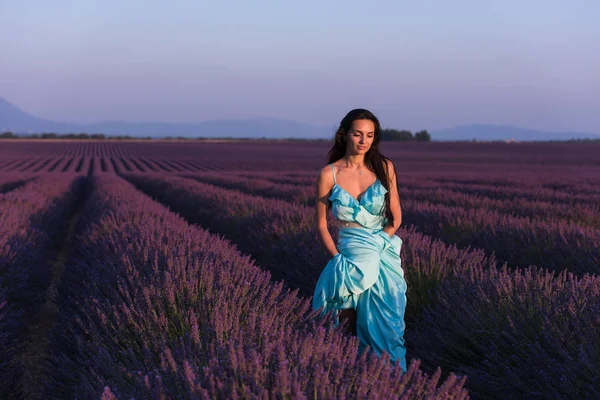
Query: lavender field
{"x": 184, "y": 270}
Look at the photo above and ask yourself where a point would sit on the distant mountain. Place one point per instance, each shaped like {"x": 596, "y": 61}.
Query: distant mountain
{"x": 505, "y": 132}
{"x": 14, "y": 119}
{"x": 253, "y": 127}
{"x": 18, "y": 121}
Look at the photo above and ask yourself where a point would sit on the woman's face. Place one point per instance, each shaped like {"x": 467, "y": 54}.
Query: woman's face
{"x": 360, "y": 136}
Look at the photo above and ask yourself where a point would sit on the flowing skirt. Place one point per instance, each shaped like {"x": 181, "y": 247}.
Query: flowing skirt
{"x": 366, "y": 275}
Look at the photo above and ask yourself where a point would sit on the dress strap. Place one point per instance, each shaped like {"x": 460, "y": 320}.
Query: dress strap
{"x": 333, "y": 171}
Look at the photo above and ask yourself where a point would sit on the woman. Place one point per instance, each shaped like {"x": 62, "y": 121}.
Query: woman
{"x": 364, "y": 278}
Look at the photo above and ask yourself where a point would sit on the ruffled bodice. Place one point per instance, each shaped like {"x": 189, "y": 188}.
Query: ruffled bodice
{"x": 367, "y": 211}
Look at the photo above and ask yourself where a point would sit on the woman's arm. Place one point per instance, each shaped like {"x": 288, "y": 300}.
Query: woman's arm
{"x": 394, "y": 201}
{"x": 324, "y": 186}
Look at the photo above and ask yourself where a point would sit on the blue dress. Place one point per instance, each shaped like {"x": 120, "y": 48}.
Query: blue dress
{"x": 366, "y": 274}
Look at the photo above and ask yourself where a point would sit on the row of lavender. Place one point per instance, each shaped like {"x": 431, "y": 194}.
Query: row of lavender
{"x": 101, "y": 164}
{"x": 523, "y": 332}
{"x": 152, "y": 307}
{"x": 33, "y": 212}
{"x": 96, "y": 149}
{"x": 260, "y": 155}
{"x": 277, "y": 233}
{"x": 34, "y": 165}
{"x": 577, "y": 203}
{"x": 499, "y": 194}
{"x": 10, "y": 182}
{"x": 574, "y": 194}
{"x": 66, "y": 148}
{"x": 518, "y": 241}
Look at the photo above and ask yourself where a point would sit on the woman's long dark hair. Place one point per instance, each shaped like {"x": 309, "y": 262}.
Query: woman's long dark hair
{"x": 374, "y": 160}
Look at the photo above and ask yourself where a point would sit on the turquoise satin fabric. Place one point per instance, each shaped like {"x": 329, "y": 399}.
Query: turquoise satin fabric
{"x": 366, "y": 274}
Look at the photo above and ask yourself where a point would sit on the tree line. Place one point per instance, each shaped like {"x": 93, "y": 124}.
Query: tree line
{"x": 82, "y": 136}
{"x": 405, "y": 136}
{"x": 386, "y": 134}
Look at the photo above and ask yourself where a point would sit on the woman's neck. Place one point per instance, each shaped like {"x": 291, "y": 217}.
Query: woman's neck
{"x": 354, "y": 162}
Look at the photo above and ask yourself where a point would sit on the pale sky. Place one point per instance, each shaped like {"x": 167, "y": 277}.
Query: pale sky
{"x": 416, "y": 65}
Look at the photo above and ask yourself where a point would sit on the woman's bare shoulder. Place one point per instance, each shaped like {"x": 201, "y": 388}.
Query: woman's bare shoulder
{"x": 325, "y": 174}
{"x": 389, "y": 165}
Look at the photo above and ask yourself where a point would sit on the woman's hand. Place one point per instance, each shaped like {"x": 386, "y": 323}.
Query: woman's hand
{"x": 387, "y": 230}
